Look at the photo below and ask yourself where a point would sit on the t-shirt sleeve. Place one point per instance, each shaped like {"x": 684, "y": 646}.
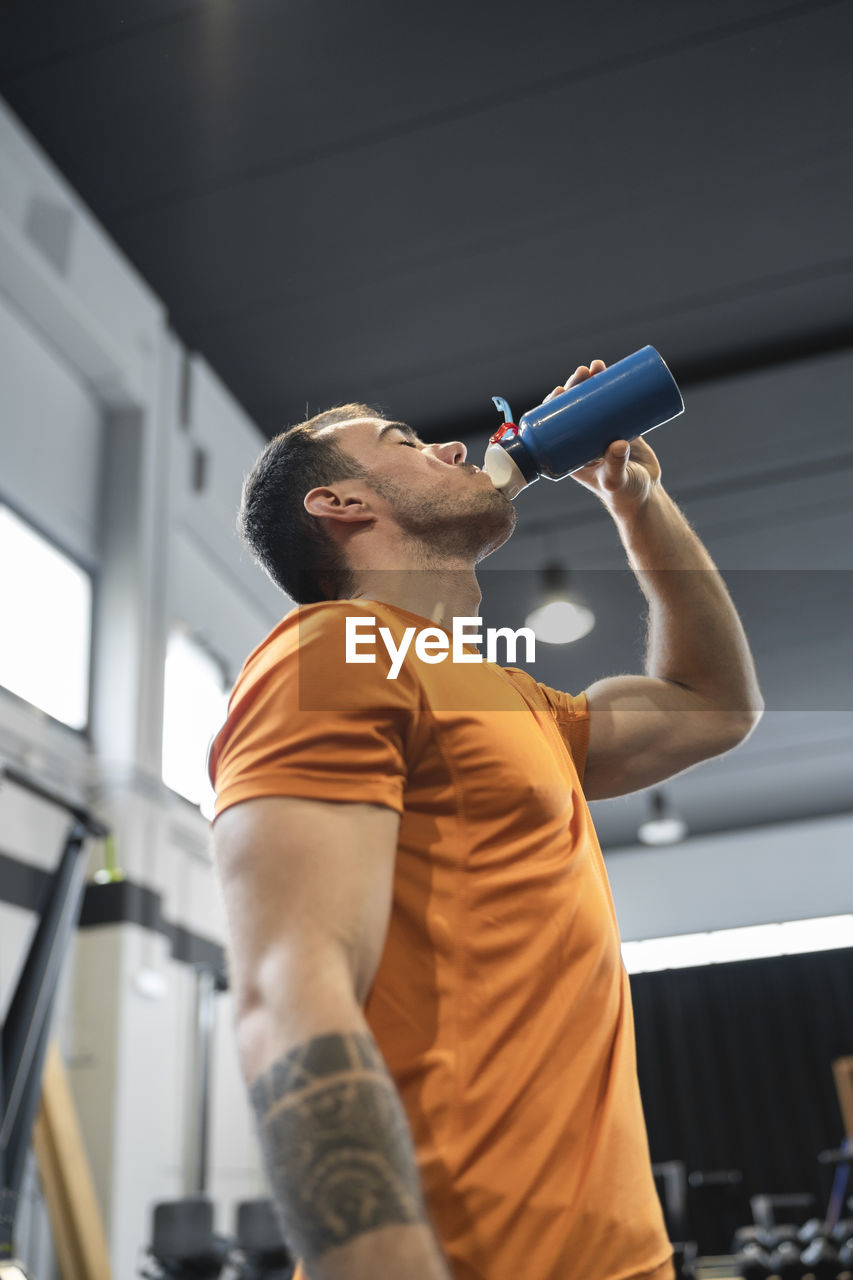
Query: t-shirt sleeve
{"x": 303, "y": 722}
{"x": 570, "y": 712}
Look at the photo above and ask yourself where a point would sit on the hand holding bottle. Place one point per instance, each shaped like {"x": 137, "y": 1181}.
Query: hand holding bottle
{"x": 577, "y": 424}
{"x": 627, "y": 472}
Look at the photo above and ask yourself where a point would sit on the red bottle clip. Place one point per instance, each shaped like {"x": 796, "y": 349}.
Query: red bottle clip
{"x": 508, "y": 428}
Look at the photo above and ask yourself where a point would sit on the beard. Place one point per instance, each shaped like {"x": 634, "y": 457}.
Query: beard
{"x": 460, "y": 527}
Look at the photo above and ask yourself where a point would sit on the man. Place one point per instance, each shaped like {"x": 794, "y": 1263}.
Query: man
{"x": 432, "y": 1013}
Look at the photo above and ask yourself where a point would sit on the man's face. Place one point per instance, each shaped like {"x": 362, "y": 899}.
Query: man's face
{"x": 431, "y": 493}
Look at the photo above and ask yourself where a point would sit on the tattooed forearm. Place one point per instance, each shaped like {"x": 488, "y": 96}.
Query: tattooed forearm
{"x": 336, "y": 1143}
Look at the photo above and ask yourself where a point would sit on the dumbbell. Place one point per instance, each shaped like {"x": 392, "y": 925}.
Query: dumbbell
{"x": 753, "y": 1261}
{"x": 754, "y": 1234}
{"x": 810, "y": 1230}
{"x": 845, "y": 1260}
{"x": 785, "y": 1260}
{"x": 820, "y": 1259}
{"x": 259, "y": 1239}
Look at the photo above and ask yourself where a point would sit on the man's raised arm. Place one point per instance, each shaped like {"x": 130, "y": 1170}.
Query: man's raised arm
{"x": 699, "y": 696}
{"x": 307, "y": 887}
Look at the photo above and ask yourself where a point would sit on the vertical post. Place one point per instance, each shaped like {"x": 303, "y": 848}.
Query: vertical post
{"x": 198, "y": 1111}
{"x": 7, "y": 1200}
{"x": 129, "y": 624}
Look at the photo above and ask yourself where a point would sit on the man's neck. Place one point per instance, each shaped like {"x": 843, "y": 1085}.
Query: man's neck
{"x": 438, "y": 594}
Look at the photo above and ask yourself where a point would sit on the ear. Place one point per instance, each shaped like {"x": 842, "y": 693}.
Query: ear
{"x": 346, "y": 507}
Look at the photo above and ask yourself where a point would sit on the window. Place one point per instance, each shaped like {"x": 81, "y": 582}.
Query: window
{"x": 45, "y": 623}
{"x": 195, "y": 702}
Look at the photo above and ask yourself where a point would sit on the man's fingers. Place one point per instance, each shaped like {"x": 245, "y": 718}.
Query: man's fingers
{"x": 580, "y": 374}
{"x": 616, "y": 461}
{"x": 585, "y": 371}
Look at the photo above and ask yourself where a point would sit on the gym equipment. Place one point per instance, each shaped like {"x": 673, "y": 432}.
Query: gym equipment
{"x": 753, "y": 1234}
{"x": 810, "y": 1230}
{"x": 263, "y": 1253}
{"x": 715, "y": 1205}
{"x": 25, "y": 1032}
{"x": 767, "y": 1209}
{"x": 671, "y": 1182}
{"x": 820, "y": 1259}
{"x": 753, "y": 1261}
{"x": 715, "y": 1267}
{"x": 785, "y": 1260}
{"x": 183, "y": 1244}
{"x": 768, "y": 1248}
{"x": 817, "y": 1249}
{"x": 845, "y": 1258}
{"x": 841, "y": 1161}
{"x": 809, "y": 1248}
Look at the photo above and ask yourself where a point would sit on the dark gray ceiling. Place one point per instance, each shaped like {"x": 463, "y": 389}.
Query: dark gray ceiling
{"x": 423, "y": 204}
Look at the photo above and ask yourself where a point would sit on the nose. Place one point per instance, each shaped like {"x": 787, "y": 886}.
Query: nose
{"x": 453, "y": 451}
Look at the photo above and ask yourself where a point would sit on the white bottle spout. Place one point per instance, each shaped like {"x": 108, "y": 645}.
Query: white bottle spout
{"x": 503, "y": 472}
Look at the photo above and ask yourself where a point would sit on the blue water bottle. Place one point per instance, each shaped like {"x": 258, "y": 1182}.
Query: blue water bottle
{"x": 630, "y": 398}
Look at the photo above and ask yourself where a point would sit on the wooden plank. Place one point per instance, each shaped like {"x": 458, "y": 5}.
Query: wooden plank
{"x": 78, "y": 1230}
{"x": 842, "y": 1069}
{"x": 64, "y": 1241}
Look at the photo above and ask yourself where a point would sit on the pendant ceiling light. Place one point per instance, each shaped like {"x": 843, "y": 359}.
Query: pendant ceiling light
{"x": 664, "y": 826}
{"x": 560, "y": 618}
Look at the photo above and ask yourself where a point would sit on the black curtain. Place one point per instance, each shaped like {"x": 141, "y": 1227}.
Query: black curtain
{"x": 735, "y": 1066}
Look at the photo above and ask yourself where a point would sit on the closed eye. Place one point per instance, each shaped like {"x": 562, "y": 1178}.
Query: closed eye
{"x": 410, "y": 443}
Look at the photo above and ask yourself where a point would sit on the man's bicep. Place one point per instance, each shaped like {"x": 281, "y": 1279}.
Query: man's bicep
{"x": 307, "y": 886}
{"x": 643, "y": 730}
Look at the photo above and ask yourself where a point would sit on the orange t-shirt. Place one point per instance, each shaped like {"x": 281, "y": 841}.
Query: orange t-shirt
{"x": 501, "y": 1004}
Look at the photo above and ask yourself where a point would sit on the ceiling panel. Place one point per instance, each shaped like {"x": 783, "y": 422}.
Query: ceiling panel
{"x": 403, "y": 203}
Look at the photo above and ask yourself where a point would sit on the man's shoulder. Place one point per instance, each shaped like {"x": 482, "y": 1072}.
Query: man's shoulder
{"x": 309, "y": 653}
{"x": 525, "y": 683}
{"x": 306, "y": 623}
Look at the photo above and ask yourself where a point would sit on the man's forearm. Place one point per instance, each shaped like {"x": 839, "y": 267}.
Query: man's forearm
{"x": 695, "y": 636}
{"x": 341, "y": 1163}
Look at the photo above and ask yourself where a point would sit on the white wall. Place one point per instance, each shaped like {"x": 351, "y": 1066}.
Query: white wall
{"x": 208, "y": 563}
{"x": 795, "y": 871}
{"x": 94, "y": 452}
{"x": 43, "y": 401}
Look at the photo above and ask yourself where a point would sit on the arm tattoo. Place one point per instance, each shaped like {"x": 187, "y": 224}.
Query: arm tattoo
{"x": 336, "y": 1143}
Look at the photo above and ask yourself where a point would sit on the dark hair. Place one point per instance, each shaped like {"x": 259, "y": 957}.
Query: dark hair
{"x": 291, "y": 545}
